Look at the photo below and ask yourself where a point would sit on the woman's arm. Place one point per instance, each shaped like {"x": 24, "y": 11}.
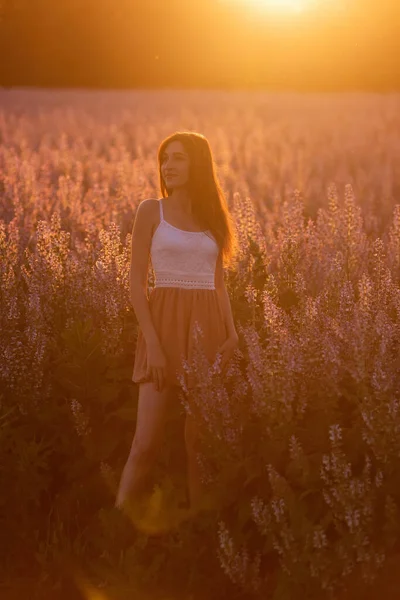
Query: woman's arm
{"x": 140, "y": 251}
{"x": 224, "y": 298}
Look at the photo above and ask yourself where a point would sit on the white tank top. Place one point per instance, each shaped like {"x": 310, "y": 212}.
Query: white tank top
{"x": 184, "y": 259}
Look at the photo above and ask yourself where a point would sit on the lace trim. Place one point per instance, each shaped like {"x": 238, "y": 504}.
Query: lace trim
{"x": 184, "y": 283}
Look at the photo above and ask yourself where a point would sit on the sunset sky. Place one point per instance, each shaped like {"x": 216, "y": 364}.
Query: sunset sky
{"x": 284, "y": 7}
{"x": 299, "y": 44}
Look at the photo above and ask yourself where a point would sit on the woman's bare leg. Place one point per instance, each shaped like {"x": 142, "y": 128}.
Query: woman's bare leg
{"x": 150, "y": 426}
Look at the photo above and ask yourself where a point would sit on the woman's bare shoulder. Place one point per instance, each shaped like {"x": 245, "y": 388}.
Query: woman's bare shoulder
{"x": 149, "y": 204}
{"x": 147, "y": 213}
{"x": 148, "y": 208}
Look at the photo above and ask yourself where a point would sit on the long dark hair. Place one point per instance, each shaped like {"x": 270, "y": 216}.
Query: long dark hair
{"x": 209, "y": 205}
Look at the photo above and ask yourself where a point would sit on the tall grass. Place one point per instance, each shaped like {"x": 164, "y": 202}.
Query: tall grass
{"x": 301, "y": 436}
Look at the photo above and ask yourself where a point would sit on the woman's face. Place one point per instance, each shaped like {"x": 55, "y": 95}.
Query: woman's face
{"x": 175, "y": 162}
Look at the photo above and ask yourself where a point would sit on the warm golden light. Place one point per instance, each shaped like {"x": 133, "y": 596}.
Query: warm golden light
{"x": 296, "y": 6}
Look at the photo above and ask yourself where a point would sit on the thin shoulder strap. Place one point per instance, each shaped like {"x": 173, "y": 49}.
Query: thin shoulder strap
{"x": 161, "y": 211}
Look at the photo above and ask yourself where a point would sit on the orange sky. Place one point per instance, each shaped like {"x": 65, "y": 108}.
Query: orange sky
{"x": 330, "y": 44}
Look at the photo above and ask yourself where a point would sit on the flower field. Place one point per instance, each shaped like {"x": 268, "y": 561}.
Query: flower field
{"x": 301, "y": 436}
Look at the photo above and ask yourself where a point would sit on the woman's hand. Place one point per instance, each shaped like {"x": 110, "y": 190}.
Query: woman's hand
{"x": 227, "y": 349}
{"x": 156, "y": 365}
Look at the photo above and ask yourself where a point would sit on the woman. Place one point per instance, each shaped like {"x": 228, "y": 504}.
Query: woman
{"x": 189, "y": 236}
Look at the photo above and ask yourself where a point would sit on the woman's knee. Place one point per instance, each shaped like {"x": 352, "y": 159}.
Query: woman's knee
{"x": 151, "y": 421}
{"x": 144, "y": 453}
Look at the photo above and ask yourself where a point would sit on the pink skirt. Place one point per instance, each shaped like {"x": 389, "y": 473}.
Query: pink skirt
{"x": 175, "y": 312}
